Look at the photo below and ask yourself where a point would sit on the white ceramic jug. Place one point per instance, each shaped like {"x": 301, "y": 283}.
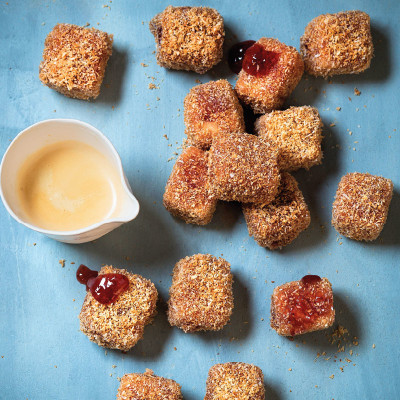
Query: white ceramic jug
{"x": 46, "y": 132}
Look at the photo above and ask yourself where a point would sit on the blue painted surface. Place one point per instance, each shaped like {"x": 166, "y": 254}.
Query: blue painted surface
{"x": 43, "y": 353}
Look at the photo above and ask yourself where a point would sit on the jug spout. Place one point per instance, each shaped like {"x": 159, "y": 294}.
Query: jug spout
{"x": 128, "y": 207}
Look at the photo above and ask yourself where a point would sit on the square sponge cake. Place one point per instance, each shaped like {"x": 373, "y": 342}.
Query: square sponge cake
{"x": 148, "y": 386}
{"x": 188, "y": 38}
{"x": 120, "y": 325}
{"x": 75, "y": 59}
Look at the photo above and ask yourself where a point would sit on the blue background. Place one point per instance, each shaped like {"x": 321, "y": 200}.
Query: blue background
{"x": 43, "y": 353}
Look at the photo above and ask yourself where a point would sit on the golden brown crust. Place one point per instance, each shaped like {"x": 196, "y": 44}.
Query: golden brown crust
{"x": 269, "y": 92}
{"x": 120, "y": 325}
{"x": 235, "y": 380}
{"x": 188, "y": 38}
{"x": 297, "y": 132}
{"x": 201, "y": 297}
{"x": 211, "y": 109}
{"x": 361, "y": 205}
{"x": 243, "y": 168}
{"x": 75, "y": 59}
{"x": 287, "y": 316}
{"x": 186, "y": 193}
{"x": 339, "y": 43}
{"x": 277, "y": 224}
{"x": 148, "y": 386}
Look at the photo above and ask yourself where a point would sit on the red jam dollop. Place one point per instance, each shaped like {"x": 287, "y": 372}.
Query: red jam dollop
{"x": 105, "y": 288}
{"x": 308, "y": 302}
{"x": 84, "y": 274}
{"x": 259, "y": 62}
{"x": 310, "y": 279}
{"x": 236, "y": 54}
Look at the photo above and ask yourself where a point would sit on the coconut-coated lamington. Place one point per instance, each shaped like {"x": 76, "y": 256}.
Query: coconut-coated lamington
{"x": 297, "y": 132}
{"x": 148, "y": 386}
{"x": 187, "y": 195}
{"x": 212, "y": 109}
{"x": 201, "y": 297}
{"x": 243, "y": 168}
{"x": 188, "y": 38}
{"x": 75, "y": 59}
{"x": 361, "y": 205}
{"x": 120, "y": 325}
{"x": 280, "y": 222}
{"x": 235, "y": 380}
{"x": 269, "y": 92}
{"x": 335, "y": 44}
{"x": 302, "y": 306}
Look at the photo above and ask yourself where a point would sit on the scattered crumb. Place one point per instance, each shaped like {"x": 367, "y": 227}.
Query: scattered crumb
{"x": 338, "y": 108}
{"x": 153, "y": 86}
{"x": 289, "y": 369}
{"x": 144, "y": 65}
{"x": 332, "y": 376}
{"x": 62, "y": 263}
{"x": 175, "y": 348}
{"x": 373, "y": 346}
{"x": 356, "y": 92}
{"x": 114, "y": 366}
{"x": 332, "y": 124}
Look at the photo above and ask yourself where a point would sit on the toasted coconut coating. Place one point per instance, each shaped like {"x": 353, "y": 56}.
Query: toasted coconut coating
{"x": 235, "y": 380}
{"x": 187, "y": 195}
{"x": 269, "y": 92}
{"x": 201, "y": 297}
{"x": 243, "y": 168}
{"x": 120, "y": 325}
{"x": 148, "y": 386}
{"x": 297, "y": 308}
{"x": 75, "y": 59}
{"x": 188, "y": 38}
{"x": 278, "y": 223}
{"x": 361, "y": 205}
{"x": 297, "y": 132}
{"x": 211, "y": 109}
{"x": 335, "y": 44}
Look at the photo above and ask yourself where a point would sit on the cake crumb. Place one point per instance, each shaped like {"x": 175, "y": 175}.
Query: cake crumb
{"x": 144, "y": 65}
{"x": 153, "y": 86}
{"x": 332, "y": 376}
{"x": 338, "y": 108}
{"x": 62, "y": 262}
{"x": 356, "y": 92}
{"x": 373, "y": 346}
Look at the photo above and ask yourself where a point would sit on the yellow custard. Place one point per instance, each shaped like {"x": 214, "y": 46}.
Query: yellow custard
{"x": 66, "y": 186}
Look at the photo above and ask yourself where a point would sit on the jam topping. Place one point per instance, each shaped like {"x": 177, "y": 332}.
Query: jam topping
{"x": 105, "y": 288}
{"x": 302, "y": 304}
{"x": 310, "y": 279}
{"x": 259, "y": 62}
{"x": 84, "y": 274}
{"x": 236, "y": 54}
